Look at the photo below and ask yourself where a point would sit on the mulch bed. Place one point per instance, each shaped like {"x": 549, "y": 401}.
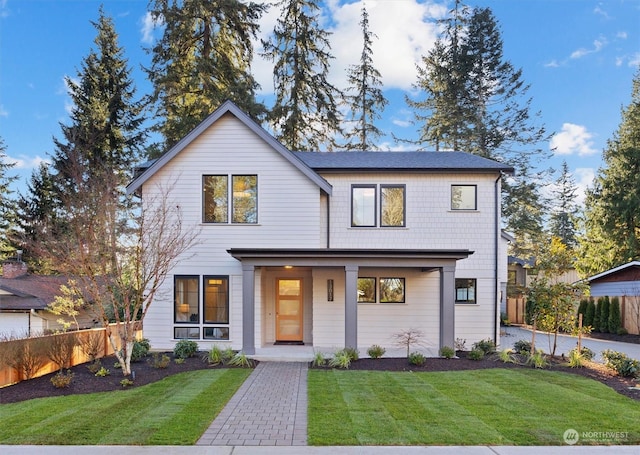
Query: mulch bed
{"x": 86, "y": 382}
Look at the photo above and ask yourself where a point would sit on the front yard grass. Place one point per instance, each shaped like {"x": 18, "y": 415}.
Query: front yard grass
{"x": 479, "y": 407}
{"x": 173, "y": 411}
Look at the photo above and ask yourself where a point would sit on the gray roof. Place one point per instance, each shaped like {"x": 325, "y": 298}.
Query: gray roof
{"x": 400, "y": 161}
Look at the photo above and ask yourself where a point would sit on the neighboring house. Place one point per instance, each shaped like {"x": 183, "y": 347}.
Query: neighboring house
{"x": 326, "y": 249}
{"x": 24, "y": 299}
{"x": 622, "y": 282}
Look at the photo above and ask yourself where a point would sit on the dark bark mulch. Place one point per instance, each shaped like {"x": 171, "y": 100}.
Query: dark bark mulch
{"x": 628, "y": 338}
{"x": 86, "y": 382}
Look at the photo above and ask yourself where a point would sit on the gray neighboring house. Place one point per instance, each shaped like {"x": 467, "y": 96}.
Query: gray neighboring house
{"x": 622, "y": 282}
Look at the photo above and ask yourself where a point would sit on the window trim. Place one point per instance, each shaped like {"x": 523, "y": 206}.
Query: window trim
{"x": 175, "y": 295}
{"x": 375, "y": 289}
{"x": 232, "y": 199}
{"x": 475, "y": 194}
{"x": 204, "y": 220}
{"x": 205, "y": 278}
{"x": 404, "y": 204}
{"x": 375, "y": 205}
{"x": 468, "y": 301}
{"x": 404, "y": 289}
{"x": 230, "y": 215}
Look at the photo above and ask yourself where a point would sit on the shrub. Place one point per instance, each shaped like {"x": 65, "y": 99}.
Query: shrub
{"x": 604, "y": 315}
{"x": 596, "y": 315}
{"x": 522, "y": 347}
{"x": 160, "y": 360}
{"x": 587, "y": 354}
{"x": 126, "y": 382}
{"x": 476, "y": 354}
{"x": 416, "y": 358}
{"x": 487, "y": 346}
{"x": 407, "y": 338}
{"x": 318, "y": 360}
{"x": 61, "y": 380}
{"x": 353, "y": 353}
{"x": 582, "y": 310}
{"x": 615, "y": 319}
{"x": 94, "y": 366}
{"x": 459, "y": 344}
{"x": 340, "y": 359}
{"x": 241, "y": 360}
{"x": 215, "y": 356}
{"x": 447, "y": 352}
{"x": 538, "y": 360}
{"x": 507, "y": 356}
{"x": 178, "y": 361}
{"x": 589, "y": 315}
{"x": 575, "y": 358}
{"x": 185, "y": 349}
{"x": 102, "y": 372}
{"x": 140, "y": 350}
{"x": 622, "y": 331}
{"x": 375, "y": 351}
{"x": 228, "y": 354}
{"x": 504, "y": 319}
{"x": 621, "y": 363}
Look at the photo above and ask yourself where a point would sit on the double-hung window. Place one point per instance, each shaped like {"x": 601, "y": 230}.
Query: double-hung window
{"x": 232, "y": 198}
{"x": 366, "y": 210}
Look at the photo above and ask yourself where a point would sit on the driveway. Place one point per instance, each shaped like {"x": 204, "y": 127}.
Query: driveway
{"x": 566, "y": 343}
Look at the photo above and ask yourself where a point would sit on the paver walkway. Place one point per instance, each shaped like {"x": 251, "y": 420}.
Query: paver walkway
{"x": 270, "y": 408}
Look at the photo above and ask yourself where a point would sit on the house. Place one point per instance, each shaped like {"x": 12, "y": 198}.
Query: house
{"x": 24, "y": 299}
{"x": 622, "y": 282}
{"x": 325, "y": 249}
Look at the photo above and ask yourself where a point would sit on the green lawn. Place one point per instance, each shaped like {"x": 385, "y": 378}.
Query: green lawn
{"x": 174, "y": 411}
{"x": 486, "y": 407}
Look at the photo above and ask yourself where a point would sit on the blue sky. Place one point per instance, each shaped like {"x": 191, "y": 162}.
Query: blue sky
{"x": 579, "y": 57}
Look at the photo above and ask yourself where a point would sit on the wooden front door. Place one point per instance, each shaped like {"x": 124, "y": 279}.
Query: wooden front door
{"x": 289, "y": 309}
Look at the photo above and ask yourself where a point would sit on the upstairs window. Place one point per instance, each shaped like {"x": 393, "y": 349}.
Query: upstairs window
{"x": 237, "y": 202}
{"x": 464, "y": 197}
{"x": 365, "y": 211}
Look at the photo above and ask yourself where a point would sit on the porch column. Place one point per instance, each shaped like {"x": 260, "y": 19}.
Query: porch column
{"x": 248, "y": 309}
{"x": 351, "y": 306}
{"x": 447, "y": 306}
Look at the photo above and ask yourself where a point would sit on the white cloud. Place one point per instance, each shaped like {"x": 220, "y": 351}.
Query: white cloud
{"x": 598, "y": 44}
{"x": 149, "y": 24}
{"x": 583, "y": 177}
{"x": 634, "y": 60}
{"x": 598, "y": 10}
{"x": 26, "y": 162}
{"x": 405, "y": 32}
{"x": 3, "y": 111}
{"x": 622, "y": 35}
{"x": 573, "y": 139}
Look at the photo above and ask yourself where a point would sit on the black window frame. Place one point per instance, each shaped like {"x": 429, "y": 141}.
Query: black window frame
{"x": 475, "y": 199}
{"x": 404, "y": 204}
{"x": 190, "y": 320}
{"x": 205, "y": 284}
{"x": 459, "y": 285}
{"x": 230, "y": 215}
{"x": 375, "y": 205}
{"x": 404, "y": 288}
{"x": 375, "y": 289}
{"x": 204, "y": 199}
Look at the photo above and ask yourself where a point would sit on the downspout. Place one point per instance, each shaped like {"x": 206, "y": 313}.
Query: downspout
{"x": 496, "y": 252}
{"x": 328, "y": 223}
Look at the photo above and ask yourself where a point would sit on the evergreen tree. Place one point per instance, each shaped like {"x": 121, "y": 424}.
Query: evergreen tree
{"x": 597, "y": 313}
{"x": 562, "y": 222}
{"x": 7, "y": 204}
{"x": 604, "y": 315}
{"x": 590, "y": 314}
{"x": 477, "y": 102}
{"x": 202, "y": 59}
{"x": 367, "y": 99}
{"x": 582, "y": 310}
{"x": 612, "y": 206}
{"x": 305, "y": 114}
{"x": 615, "y": 318}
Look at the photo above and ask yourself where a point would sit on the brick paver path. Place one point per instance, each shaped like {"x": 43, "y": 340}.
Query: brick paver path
{"x": 270, "y": 408}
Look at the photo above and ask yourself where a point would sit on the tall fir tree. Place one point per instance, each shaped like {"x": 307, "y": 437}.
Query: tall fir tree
{"x": 94, "y": 160}
{"x": 7, "y": 203}
{"x": 202, "y": 59}
{"x": 563, "y": 219}
{"x": 476, "y": 101}
{"x": 305, "y": 113}
{"x": 612, "y": 206}
{"x": 364, "y": 96}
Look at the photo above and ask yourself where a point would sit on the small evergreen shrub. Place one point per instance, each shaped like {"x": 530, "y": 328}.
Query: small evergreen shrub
{"x": 126, "y": 382}
{"x": 447, "y": 352}
{"x": 476, "y": 354}
{"x": 102, "y": 372}
{"x": 622, "y": 331}
{"x": 621, "y": 363}
{"x": 416, "y": 358}
{"x": 487, "y": 346}
{"x": 575, "y": 359}
{"x": 160, "y": 361}
{"x": 340, "y": 359}
{"x": 375, "y": 351}
{"x": 507, "y": 356}
{"x": 215, "y": 356}
{"x": 185, "y": 349}
{"x": 61, "y": 380}
{"x": 140, "y": 350}
{"x": 318, "y": 360}
{"x": 353, "y": 353}
{"x": 241, "y": 360}
{"x": 587, "y": 354}
{"x": 94, "y": 366}
{"x": 538, "y": 360}
{"x": 522, "y": 347}
{"x": 178, "y": 361}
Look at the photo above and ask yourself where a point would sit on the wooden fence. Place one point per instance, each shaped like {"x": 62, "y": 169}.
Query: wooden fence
{"x": 33, "y": 353}
{"x": 515, "y": 310}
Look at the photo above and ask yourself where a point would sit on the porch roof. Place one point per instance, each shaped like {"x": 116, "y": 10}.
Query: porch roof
{"x": 328, "y": 257}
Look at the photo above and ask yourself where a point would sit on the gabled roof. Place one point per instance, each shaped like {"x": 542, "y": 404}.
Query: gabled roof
{"x": 400, "y": 161}
{"x": 29, "y": 292}
{"x": 614, "y": 270}
{"x": 227, "y": 107}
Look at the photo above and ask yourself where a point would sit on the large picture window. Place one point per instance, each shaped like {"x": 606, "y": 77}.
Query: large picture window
{"x": 365, "y": 211}
{"x": 465, "y": 290}
{"x": 366, "y": 290}
{"x": 186, "y": 299}
{"x": 216, "y": 300}
{"x": 463, "y": 197}
{"x": 238, "y": 202}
